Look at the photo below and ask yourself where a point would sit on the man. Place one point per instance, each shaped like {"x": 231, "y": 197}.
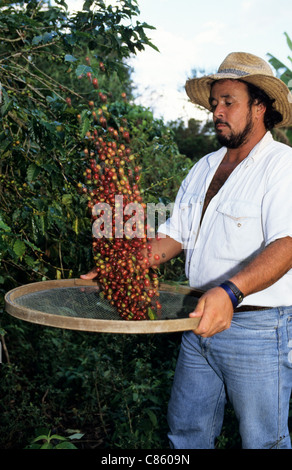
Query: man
{"x": 233, "y": 218}
{"x": 239, "y": 229}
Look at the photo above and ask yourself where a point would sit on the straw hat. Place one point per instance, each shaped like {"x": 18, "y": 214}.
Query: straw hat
{"x": 249, "y": 68}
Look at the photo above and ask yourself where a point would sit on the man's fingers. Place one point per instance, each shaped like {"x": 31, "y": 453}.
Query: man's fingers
{"x": 196, "y": 314}
{"x": 199, "y": 310}
{"x": 203, "y": 312}
{"x": 90, "y": 275}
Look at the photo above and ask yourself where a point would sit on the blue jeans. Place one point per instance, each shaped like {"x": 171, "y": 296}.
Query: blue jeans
{"x": 251, "y": 364}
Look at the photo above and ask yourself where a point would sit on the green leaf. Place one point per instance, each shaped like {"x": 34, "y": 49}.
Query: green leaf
{"x": 76, "y": 435}
{"x": 67, "y": 199}
{"x": 4, "y": 226}
{"x": 62, "y": 3}
{"x": 37, "y": 40}
{"x": 41, "y": 224}
{"x": 6, "y": 104}
{"x": 151, "y": 314}
{"x": 19, "y": 248}
{"x": 82, "y": 70}
{"x": 2, "y": 332}
{"x": 44, "y": 38}
{"x": 57, "y": 436}
{"x": 65, "y": 445}
{"x": 42, "y": 437}
{"x": 289, "y": 42}
{"x": 69, "y": 58}
{"x": 154, "y": 399}
{"x": 47, "y": 445}
{"x": 32, "y": 172}
{"x": 29, "y": 261}
{"x": 76, "y": 225}
{"x": 85, "y": 126}
{"x": 152, "y": 417}
{"x": 32, "y": 245}
{"x": 87, "y": 4}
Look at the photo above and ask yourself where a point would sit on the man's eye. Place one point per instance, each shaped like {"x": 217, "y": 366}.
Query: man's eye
{"x": 228, "y": 103}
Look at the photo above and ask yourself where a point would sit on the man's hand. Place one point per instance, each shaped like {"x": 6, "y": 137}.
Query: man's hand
{"x": 215, "y": 307}
{"x": 90, "y": 275}
{"x": 215, "y": 310}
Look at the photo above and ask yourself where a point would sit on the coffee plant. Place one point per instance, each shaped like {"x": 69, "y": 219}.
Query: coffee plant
{"x": 53, "y": 65}
{"x": 44, "y": 222}
{"x": 285, "y": 74}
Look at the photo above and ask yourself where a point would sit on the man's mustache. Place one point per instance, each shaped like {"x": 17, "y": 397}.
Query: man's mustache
{"x": 219, "y": 121}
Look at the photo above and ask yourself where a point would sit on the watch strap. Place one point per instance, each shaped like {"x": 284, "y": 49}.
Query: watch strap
{"x": 236, "y": 296}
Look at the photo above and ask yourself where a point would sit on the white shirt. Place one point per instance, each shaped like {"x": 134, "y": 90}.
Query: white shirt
{"x": 252, "y": 209}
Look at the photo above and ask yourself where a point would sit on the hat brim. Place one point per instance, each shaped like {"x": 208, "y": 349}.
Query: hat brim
{"x": 198, "y": 90}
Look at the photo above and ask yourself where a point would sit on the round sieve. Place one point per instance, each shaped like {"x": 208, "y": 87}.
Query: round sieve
{"x": 76, "y": 304}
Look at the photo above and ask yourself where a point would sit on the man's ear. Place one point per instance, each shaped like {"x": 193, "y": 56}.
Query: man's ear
{"x": 260, "y": 109}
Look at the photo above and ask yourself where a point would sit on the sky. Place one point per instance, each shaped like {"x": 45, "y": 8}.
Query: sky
{"x": 198, "y": 35}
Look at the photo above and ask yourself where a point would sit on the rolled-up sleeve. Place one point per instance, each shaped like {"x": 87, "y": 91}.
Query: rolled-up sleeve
{"x": 277, "y": 201}
{"x": 172, "y": 227}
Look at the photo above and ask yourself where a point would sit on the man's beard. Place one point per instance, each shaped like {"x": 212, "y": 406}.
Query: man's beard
{"x": 234, "y": 141}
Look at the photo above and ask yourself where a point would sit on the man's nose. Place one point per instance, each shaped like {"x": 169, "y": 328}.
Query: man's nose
{"x": 218, "y": 112}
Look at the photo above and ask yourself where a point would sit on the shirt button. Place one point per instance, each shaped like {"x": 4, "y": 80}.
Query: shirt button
{"x": 239, "y": 224}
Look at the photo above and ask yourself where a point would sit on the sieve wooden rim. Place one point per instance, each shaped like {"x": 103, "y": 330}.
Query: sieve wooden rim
{"x": 90, "y": 324}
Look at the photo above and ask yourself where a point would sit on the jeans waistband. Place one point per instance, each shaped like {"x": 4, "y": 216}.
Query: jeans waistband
{"x": 251, "y": 308}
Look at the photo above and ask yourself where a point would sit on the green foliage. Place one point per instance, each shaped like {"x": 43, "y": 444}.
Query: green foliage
{"x": 285, "y": 74}
{"x": 54, "y": 441}
{"x": 194, "y": 140}
{"x": 115, "y": 389}
{"x": 45, "y": 229}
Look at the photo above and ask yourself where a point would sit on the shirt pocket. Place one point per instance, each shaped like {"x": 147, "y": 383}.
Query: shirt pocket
{"x": 239, "y": 230}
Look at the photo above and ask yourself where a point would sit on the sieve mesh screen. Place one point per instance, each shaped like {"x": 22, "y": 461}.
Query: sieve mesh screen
{"x": 85, "y": 302}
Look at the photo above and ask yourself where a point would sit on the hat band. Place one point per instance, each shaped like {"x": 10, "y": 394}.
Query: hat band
{"x": 240, "y": 73}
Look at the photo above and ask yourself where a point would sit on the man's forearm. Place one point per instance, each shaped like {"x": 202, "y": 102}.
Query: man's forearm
{"x": 266, "y": 268}
{"x": 215, "y": 307}
{"x": 161, "y": 249}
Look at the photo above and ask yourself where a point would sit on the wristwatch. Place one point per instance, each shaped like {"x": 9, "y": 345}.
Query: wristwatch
{"x": 236, "y": 296}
